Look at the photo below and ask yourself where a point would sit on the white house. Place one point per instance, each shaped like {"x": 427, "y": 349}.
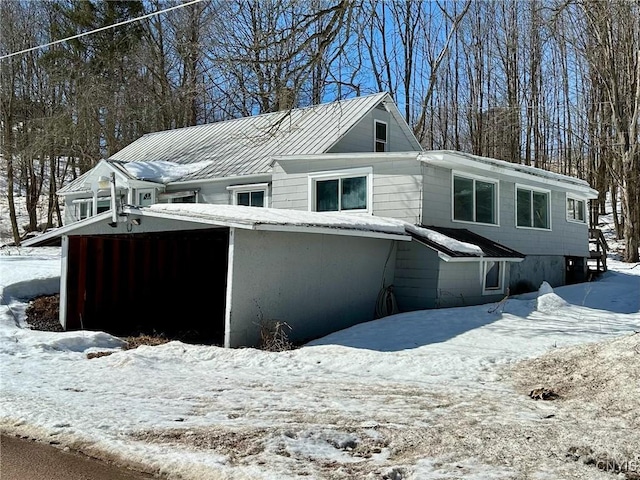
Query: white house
{"x": 309, "y": 217}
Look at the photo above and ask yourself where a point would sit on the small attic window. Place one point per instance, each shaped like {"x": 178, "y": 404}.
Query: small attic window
{"x": 381, "y": 138}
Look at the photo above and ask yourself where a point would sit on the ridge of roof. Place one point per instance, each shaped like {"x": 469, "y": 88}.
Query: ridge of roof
{"x": 268, "y": 114}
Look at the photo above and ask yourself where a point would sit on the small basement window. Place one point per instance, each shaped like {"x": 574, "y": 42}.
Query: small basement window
{"x": 493, "y": 277}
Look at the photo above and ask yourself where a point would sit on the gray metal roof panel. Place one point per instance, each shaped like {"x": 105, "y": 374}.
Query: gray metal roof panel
{"x": 245, "y": 145}
{"x": 490, "y": 248}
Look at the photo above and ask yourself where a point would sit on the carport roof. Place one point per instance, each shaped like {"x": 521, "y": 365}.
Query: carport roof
{"x": 279, "y": 219}
{"x": 249, "y": 218}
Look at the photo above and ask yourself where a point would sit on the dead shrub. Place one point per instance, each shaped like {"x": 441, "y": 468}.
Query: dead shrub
{"x": 43, "y": 313}
{"x": 149, "y": 340}
{"x": 274, "y": 336}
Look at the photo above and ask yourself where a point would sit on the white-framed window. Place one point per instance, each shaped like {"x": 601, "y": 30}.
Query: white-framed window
{"x": 533, "y": 208}
{"x": 104, "y": 204}
{"x": 145, "y": 197}
{"x": 186, "y": 196}
{"x": 492, "y": 277}
{"x": 184, "y": 199}
{"x": 84, "y": 207}
{"x": 252, "y": 195}
{"x": 475, "y": 199}
{"x": 381, "y": 134}
{"x": 576, "y": 210}
{"x": 341, "y": 191}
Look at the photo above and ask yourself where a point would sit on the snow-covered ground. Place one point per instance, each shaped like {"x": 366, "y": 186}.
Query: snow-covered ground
{"x": 425, "y": 395}
{"x": 439, "y": 394}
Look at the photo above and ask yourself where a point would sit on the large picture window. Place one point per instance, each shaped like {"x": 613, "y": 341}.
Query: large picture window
{"x": 348, "y": 190}
{"x": 475, "y": 200}
{"x": 576, "y": 210}
{"x": 532, "y": 208}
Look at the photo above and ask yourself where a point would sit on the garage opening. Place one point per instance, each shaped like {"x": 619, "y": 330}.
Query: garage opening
{"x": 165, "y": 283}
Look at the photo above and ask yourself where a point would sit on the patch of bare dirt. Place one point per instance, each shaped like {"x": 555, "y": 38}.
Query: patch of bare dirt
{"x": 43, "y": 313}
{"x": 602, "y": 375}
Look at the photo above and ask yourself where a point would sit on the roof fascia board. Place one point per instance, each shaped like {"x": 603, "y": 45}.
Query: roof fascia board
{"x": 182, "y": 218}
{"x": 65, "y": 230}
{"x": 332, "y": 231}
{"x": 454, "y": 161}
{"x": 447, "y": 258}
{"x": 220, "y": 179}
{"x": 378, "y": 156}
{"x": 270, "y": 227}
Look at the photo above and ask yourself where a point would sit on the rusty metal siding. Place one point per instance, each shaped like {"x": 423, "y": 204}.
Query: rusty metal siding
{"x": 126, "y": 284}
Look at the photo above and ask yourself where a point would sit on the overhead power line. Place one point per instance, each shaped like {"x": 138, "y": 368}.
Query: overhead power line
{"x": 99, "y": 29}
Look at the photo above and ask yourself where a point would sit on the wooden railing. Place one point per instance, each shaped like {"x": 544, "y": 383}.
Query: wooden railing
{"x": 597, "y": 250}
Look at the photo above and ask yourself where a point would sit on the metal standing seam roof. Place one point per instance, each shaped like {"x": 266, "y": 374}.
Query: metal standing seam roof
{"x": 490, "y": 248}
{"x": 244, "y": 146}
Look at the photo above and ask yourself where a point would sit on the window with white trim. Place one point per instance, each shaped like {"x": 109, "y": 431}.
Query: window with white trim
{"x": 380, "y": 131}
{"x": 493, "y": 277}
{"x": 475, "y": 200}
{"x": 253, "y": 195}
{"x": 576, "y": 210}
{"x": 145, "y": 198}
{"x": 104, "y": 204}
{"x": 346, "y": 190}
{"x": 532, "y": 208}
{"x": 83, "y": 209}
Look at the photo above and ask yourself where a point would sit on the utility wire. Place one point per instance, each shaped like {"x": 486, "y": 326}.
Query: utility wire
{"x": 100, "y": 29}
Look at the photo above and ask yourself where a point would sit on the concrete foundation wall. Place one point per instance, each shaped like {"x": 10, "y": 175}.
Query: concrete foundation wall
{"x": 318, "y": 284}
{"x": 460, "y": 284}
{"x": 535, "y": 269}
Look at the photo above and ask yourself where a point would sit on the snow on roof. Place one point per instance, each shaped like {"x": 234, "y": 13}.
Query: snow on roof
{"x": 255, "y": 217}
{"x": 445, "y": 241}
{"x": 162, "y": 171}
{"x": 455, "y": 159}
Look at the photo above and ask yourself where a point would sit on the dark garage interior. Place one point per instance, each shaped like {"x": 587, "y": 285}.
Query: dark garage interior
{"x": 165, "y": 283}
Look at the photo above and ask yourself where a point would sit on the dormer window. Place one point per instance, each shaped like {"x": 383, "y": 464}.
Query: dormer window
{"x": 381, "y": 135}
